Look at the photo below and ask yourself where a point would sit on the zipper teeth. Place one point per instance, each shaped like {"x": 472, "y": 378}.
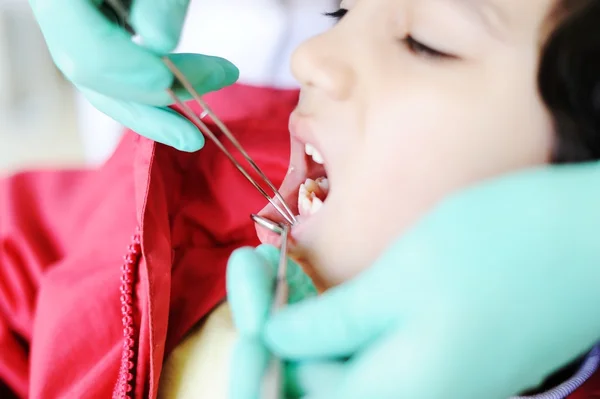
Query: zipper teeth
{"x": 124, "y": 386}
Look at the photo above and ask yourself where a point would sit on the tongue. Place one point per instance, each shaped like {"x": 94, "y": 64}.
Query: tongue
{"x": 288, "y": 191}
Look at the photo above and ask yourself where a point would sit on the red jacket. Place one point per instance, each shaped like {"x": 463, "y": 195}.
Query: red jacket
{"x": 65, "y": 288}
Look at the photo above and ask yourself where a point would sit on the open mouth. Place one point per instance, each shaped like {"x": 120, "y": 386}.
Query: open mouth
{"x": 305, "y": 189}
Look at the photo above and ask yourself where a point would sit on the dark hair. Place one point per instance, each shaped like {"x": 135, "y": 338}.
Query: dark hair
{"x": 569, "y": 80}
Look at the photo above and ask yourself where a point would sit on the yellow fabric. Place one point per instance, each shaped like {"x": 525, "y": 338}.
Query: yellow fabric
{"x": 199, "y": 367}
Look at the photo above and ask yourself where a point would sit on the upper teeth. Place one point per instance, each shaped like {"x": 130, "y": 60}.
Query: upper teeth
{"x": 312, "y": 151}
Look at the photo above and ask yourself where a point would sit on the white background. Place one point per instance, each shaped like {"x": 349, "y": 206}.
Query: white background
{"x": 43, "y": 122}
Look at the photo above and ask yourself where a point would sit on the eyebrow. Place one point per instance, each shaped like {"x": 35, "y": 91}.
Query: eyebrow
{"x": 493, "y": 18}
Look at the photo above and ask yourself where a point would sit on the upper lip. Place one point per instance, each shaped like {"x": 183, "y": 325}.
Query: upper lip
{"x": 301, "y": 132}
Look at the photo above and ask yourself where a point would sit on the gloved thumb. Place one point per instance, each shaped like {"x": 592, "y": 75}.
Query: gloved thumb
{"x": 248, "y": 364}
{"x": 159, "y": 23}
{"x": 251, "y": 277}
{"x": 343, "y": 319}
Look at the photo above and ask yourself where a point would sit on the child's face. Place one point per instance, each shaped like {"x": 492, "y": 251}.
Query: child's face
{"x": 400, "y": 127}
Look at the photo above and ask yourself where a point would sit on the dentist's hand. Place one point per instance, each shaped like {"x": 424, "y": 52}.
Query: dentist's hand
{"x": 251, "y": 276}
{"x": 490, "y": 293}
{"x": 124, "y": 80}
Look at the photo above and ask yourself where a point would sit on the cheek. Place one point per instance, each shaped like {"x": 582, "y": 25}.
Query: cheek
{"x": 437, "y": 142}
{"x": 410, "y": 164}
{"x": 412, "y": 155}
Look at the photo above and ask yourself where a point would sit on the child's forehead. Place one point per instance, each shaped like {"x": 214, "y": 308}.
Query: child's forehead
{"x": 501, "y": 18}
{"x": 501, "y": 10}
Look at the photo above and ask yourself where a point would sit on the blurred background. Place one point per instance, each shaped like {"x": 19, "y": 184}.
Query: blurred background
{"x": 45, "y": 123}
{"x": 37, "y": 114}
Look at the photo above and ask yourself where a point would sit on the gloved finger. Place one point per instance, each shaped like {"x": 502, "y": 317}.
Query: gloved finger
{"x": 93, "y": 52}
{"x": 308, "y": 378}
{"x": 250, "y": 279}
{"x": 251, "y": 275}
{"x": 343, "y": 319}
{"x": 204, "y": 72}
{"x": 159, "y": 23}
{"x": 393, "y": 366}
{"x": 162, "y": 125}
{"x": 415, "y": 362}
{"x": 300, "y": 285}
{"x": 388, "y": 369}
{"x": 248, "y": 364}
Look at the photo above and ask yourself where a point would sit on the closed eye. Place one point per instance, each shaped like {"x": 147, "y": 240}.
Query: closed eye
{"x": 410, "y": 42}
{"x": 423, "y": 50}
{"x": 337, "y": 15}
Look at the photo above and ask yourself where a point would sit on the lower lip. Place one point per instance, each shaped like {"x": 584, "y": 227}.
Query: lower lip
{"x": 297, "y": 232}
{"x": 271, "y": 238}
{"x": 299, "y": 130}
{"x": 298, "y": 127}
{"x": 299, "y": 228}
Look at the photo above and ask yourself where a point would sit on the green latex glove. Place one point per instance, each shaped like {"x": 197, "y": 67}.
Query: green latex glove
{"x": 250, "y": 277}
{"x": 124, "y": 80}
{"x": 491, "y": 292}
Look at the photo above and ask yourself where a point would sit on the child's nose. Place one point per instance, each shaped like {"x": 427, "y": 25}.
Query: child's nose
{"x": 323, "y": 63}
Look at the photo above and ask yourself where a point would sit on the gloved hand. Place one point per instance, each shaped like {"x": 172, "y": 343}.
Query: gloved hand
{"x": 488, "y": 294}
{"x": 124, "y": 80}
{"x": 251, "y": 276}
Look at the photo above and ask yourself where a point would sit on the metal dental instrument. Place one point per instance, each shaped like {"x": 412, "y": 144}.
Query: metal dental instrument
{"x": 272, "y": 384}
{"x": 281, "y": 286}
{"x": 267, "y": 224}
{"x": 122, "y": 15}
{"x": 280, "y": 298}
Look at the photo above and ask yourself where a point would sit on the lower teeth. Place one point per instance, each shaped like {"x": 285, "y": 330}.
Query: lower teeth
{"x": 311, "y": 195}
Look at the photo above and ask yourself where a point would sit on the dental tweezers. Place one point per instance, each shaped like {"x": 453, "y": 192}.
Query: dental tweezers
{"x": 122, "y": 15}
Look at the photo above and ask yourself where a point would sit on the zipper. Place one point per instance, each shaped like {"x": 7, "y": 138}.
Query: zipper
{"x": 124, "y": 386}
